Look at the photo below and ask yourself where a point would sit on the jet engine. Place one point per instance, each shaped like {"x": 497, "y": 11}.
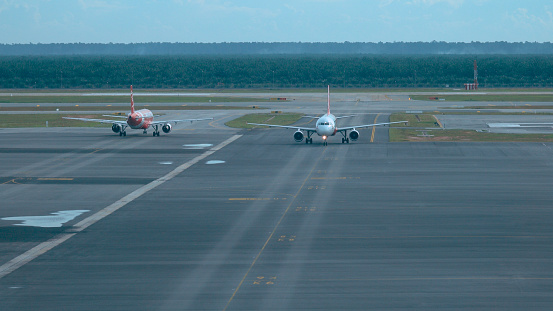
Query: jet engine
{"x": 354, "y": 135}
{"x": 166, "y": 128}
{"x": 116, "y": 128}
{"x": 298, "y": 136}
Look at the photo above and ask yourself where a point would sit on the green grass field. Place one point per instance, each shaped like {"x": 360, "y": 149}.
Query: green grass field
{"x": 266, "y": 118}
{"x": 425, "y": 127}
{"x": 415, "y": 120}
{"x": 79, "y": 99}
{"x": 412, "y": 135}
{"x": 54, "y": 120}
{"x": 487, "y": 97}
{"x": 121, "y": 108}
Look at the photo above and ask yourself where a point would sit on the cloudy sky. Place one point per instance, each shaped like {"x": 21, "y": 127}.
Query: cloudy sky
{"x": 132, "y": 21}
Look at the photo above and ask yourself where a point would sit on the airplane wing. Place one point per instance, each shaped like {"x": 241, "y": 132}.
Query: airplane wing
{"x": 287, "y": 127}
{"x": 367, "y": 125}
{"x": 520, "y": 125}
{"x": 98, "y": 120}
{"x": 342, "y": 117}
{"x": 115, "y": 116}
{"x": 177, "y": 121}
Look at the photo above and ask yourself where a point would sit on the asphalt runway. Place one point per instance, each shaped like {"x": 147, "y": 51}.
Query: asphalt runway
{"x": 260, "y": 222}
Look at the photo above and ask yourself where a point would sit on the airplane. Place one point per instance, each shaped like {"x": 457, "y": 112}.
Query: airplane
{"x": 139, "y": 119}
{"x": 326, "y": 127}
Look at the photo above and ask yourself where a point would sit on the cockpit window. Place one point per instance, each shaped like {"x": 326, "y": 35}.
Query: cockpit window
{"x": 324, "y": 123}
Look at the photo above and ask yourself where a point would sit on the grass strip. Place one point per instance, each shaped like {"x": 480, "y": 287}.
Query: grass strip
{"x": 415, "y": 120}
{"x": 121, "y": 108}
{"x": 54, "y": 120}
{"x": 488, "y": 97}
{"x": 266, "y": 118}
{"x": 79, "y": 99}
{"x": 412, "y": 135}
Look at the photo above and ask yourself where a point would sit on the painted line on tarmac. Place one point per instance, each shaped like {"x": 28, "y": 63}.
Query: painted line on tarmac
{"x": 274, "y": 231}
{"x": 374, "y": 128}
{"x": 44, "y": 247}
{"x": 438, "y": 120}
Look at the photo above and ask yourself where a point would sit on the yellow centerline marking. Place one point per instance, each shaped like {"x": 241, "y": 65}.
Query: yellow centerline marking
{"x": 218, "y": 127}
{"x": 305, "y": 123}
{"x": 273, "y": 232}
{"x": 439, "y": 123}
{"x": 374, "y": 128}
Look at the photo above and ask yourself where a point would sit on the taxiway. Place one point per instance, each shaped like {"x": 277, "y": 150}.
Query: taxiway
{"x": 264, "y": 223}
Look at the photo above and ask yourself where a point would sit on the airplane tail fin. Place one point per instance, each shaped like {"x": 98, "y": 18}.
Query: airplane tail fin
{"x": 328, "y": 107}
{"x": 132, "y": 102}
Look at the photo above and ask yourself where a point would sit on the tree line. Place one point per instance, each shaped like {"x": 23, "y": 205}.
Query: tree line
{"x": 284, "y": 48}
{"x": 313, "y": 71}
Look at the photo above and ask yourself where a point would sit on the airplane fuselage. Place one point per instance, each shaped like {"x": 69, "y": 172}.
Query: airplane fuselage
{"x": 326, "y": 125}
{"x": 140, "y": 119}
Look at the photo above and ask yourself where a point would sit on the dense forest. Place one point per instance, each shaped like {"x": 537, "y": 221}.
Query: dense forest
{"x": 285, "y": 48}
{"x": 276, "y": 71}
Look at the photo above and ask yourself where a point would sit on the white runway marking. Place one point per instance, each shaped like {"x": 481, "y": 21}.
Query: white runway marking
{"x": 54, "y": 220}
{"x": 147, "y": 94}
{"x": 44, "y": 247}
{"x": 197, "y": 146}
{"x": 166, "y": 163}
{"x": 215, "y": 162}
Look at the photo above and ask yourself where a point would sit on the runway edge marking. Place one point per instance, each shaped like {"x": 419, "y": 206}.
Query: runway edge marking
{"x": 44, "y": 247}
{"x": 273, "y": 232}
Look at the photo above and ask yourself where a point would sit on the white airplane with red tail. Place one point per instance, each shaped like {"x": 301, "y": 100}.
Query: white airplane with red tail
{"x": 326, "y": 127}
{"x": 139, "y": 119}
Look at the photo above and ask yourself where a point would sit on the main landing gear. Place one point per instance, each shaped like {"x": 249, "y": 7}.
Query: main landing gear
{"x": 156, "y": 130}
{"x": 309, "y": 140}
{"x": 123, "y": 133}
{"x": 345, "y": 139}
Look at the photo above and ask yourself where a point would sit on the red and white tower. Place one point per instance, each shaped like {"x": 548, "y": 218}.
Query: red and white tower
{"x": 475, "y": 76}
{"x": 473, "y": 86}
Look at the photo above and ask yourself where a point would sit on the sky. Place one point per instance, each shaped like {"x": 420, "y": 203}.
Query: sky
{"x": 138, "y": 21}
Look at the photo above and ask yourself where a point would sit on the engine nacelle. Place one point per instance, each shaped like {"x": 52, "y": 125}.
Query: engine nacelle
{"x": 116, "y": 128}
{"x": 298, "y": 136}
{"x": 166, "y": 128}
{"x": 354, "y": 135}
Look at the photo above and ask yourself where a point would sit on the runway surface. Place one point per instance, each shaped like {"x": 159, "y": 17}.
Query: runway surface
{"x": 264, "y": 223}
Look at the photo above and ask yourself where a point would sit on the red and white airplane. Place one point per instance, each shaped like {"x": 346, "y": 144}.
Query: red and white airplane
{"x": 326, "y": 127}
{"x": 139, "y": 119}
